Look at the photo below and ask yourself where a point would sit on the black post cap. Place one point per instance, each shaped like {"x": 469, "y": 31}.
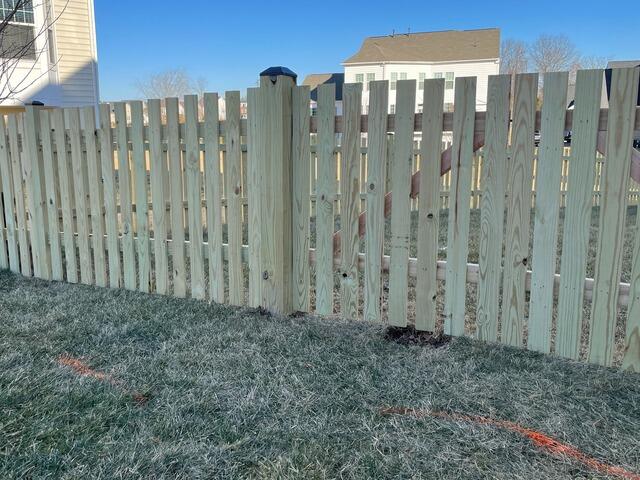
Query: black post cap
{"x": 278, "y": 71}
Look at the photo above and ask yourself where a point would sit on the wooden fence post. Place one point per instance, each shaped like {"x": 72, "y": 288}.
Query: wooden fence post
{"x": 274, "y": 134}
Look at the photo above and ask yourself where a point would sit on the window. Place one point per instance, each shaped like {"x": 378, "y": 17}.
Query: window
{"x": 437, "y": 75}
{"x": 421, "y": 77}
{"x": 359, "y": 77}
{"x": 419, "y": 108}
{"x": 371, "y": 77}
{"x": 448, "y": 81}
{"x": 448, "y": 107}
{"x": 392, "y": 109}
{"x": 394, "y": 78}
{"x": 403, "y": 75}
{"x": 24, "y": 14}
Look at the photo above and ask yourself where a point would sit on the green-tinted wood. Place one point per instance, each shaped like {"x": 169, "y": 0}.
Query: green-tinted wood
{"x": 349, "y": 198}
{"x": 81, "y": 195}
{"x": 301, "y": 171}
{"x": 516, "y": 256}
{"x": 233, "y": 188}
{"x": 545, "y": 232}
{"x": 254, "y": 181}
{"x": 376, "y": 182}
{"x": 213, "y": 196}
{"x": 176, "y": 198}
{"x": 429, "y": 207}
{"x": 124, "y": 190}
{"x": 52, "y": 195}
{"x": 631, "y": 359}
{"x": 194, "y": 197}
{"x": 493, "y": 184}
{"x": 577, "y": 215}
{"x": 325, "y": 198}
{"x": 65, "y": 180}
{"x": 620, "y": 132}
{"x": 459, "y": 209}
{"x": 400, "y": 207}
{"x": 158, "y": 167}
{"x": 110, "y": 202}
{"x": 9, "y": 198}
{"x": 96, "y": 199}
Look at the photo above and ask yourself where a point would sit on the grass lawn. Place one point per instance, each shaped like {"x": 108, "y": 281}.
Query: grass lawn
{"x": 183, "y": 389}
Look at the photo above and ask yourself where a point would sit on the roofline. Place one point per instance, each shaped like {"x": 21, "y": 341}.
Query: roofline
{"x": 414, "y": 62}
{"x": 435, "y": 31}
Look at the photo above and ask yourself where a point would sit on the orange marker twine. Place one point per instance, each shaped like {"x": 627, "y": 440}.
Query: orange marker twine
{"x": 539, "y": 439}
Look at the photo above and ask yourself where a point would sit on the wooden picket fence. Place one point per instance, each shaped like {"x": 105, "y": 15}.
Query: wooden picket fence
{"x": 154, "y": 198}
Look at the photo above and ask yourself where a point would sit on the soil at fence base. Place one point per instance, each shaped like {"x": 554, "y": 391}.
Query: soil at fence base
{"x": 410, "y": 336}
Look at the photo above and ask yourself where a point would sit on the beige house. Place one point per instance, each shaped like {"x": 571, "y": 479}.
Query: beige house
{"x": 447, "y": 54}
{"x": 60, "y": 68}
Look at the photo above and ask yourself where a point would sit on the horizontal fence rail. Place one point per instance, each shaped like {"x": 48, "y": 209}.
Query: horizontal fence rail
{"x": 373, "y": 217}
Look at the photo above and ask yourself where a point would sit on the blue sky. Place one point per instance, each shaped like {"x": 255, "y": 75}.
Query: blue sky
{"x": 229, "y": 43}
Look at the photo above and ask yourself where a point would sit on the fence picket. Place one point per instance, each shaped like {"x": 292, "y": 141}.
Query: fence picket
{"x": 232, "y": 170}
{"x": 631, "y": 359}
{"x": 400, "y": 207}
{"x": 547, "y": 208}
{"x": 325, "y": 198}
{"x": 33, "y": 169}
{"x": 622, "y": 111}
{"x": 18, "y": 186}
{"x": 96, "y": 198}
{"x": 253, "y": 196}
{"x": 493, "y": 184}
{"x": 9, "y": 198}
{"x": 376, "y": 183}
{"x": 174, "y": 155}
{"x": 52, "y": 194}
{"x": 516, "y": 257}
{"x": 213, "y": 195}
{"x": 141, "y": 195}
{"x": 193, "y": 191}
{"x": 110, "y": 202}
{"x": 158, "y": 167}
{"x": 350, "y": 198}
{"x": 459, "y": 209}
{"x": 126, "y": 209}
{"x": 301, "y": 171}
{"x": 67, "y": 201}
{"x": 81, "y": 194}
{"x": 429, "y": 206}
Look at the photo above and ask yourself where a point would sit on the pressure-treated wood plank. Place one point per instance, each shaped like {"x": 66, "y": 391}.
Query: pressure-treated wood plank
{"x": 65, "y": 180}
{"x": 141, "y": 196}
{"x": 193, "y": 190}
{"x": 429, "y": 207}
{"x": 349, "y": 199}
{"x": 459, "y": 208}
{"x": 32, "y": 168}
{"x": 18, "y": 186}
{"x": 176, "y": 191}
{"x": 81, "y": 195}
{"x": 516, "y": 257}
{"x": 9, "y": 198}
{"x": 94, "y": 174}
{"x": 110, "y": 203}
{"x": 400, "y": 208}
{"x": 233, "y": 189}
{"x": 158, "y": 167}
{"x": 577, "y": 215}
{"x": 631, "y": 359}
{"x": 213, "y": 194}
{"x": 124, "y": 190}
{"x": 545, "y": 232}
{"x": 376, "y": 181}
{"x": 301, "y": 171}
{"x": 622, "y": 102}
{"x": 52, "y": 195}
{"x": 254, "y": 156}
{"x": 493, "y": 184}
{"x": 4, "y": 255}
{"x": 325, "y": 198}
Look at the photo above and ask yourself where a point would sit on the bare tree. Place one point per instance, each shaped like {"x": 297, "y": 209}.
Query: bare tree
{"x": 19, "y": 50}
{"x": 170, "y": 83}
{"x": 591, "y": 62}
{"x": 553, "y": 53}
{"x": 513, "y": 56}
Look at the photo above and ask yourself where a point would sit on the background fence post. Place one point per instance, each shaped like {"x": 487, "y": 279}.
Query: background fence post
{"x": 274, "y": 141}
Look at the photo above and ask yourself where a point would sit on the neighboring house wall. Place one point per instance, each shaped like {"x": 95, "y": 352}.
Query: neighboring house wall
{"x": 412, "y": 71}
{"x": 64, "y": 72}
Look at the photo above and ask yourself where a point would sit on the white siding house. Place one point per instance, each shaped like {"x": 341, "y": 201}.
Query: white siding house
{"x": 63, "y": 68}
{"x": 419, "y": 56}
